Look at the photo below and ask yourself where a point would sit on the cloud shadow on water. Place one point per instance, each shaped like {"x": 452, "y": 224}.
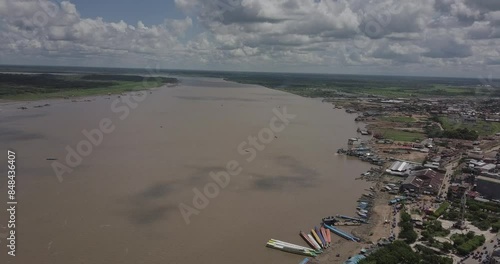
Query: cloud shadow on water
{"x": 150, "y": 205}
{"x": 9, "y": 135}
{"x": 212, "y": 98}
{"x": 300, "y": 176}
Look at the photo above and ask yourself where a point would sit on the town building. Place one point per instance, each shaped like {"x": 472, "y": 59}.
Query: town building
{"x": 400, "y": 168}
{"x": 426, "y": 181}
{"x": 488, "y": 187}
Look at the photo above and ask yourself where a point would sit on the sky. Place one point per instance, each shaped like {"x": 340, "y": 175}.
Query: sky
{"x": 392, "y": 37}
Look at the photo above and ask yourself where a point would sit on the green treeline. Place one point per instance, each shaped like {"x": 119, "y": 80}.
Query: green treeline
{"x": 18, "y": 85}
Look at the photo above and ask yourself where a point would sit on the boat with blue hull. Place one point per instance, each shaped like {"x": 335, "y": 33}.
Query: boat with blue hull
{"x": 342, "y": 233}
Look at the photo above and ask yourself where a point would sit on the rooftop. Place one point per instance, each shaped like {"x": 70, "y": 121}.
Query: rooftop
{"x": 426, "y": 178}
{"x": 497, "y": 181}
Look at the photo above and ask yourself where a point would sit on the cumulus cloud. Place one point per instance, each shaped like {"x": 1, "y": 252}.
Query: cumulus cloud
{"x": 326, "y": 34}
{"x": 51, "y": 29}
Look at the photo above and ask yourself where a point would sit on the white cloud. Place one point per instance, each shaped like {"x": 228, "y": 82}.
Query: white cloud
{"x": 319, "y": 34}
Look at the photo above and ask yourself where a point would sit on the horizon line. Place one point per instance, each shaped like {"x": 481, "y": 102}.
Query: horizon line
{"x": 243, "y": 71}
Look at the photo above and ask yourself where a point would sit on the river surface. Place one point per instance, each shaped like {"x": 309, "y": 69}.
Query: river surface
{"x": 121, "y": 203}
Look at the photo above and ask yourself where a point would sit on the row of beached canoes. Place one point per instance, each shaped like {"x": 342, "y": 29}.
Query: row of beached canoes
{"x": 318, "y": 239}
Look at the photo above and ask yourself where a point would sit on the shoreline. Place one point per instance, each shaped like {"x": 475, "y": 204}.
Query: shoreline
{"x": 340, "y": 246}
{"x": 11, "y": 104}
{"x": 370, "y": 233}
{"x": 72, "y": 86}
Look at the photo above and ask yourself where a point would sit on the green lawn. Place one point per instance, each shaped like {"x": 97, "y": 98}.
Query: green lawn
{"x": 120, "y": 87}
{"x": 399, "y": 119}
{"x": 482, "y": 127}
{"x": 399, "y": 135}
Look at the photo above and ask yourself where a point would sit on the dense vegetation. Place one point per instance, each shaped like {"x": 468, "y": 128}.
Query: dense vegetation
{"x": 457, "y": 129}
{"x": 483, "y": 215}
{"x": 317, "y": 85}
{"x": 401, "y": 253}
{"x": 434, "y": 228}
{"x": 407, "y": 232}
{"x": 467, "y": 243}
{"x": 458, "y": 133}
{"x": 18, "y": 86}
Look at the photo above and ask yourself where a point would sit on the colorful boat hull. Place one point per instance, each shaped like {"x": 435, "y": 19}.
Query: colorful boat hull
{"x": 309, "y": 241}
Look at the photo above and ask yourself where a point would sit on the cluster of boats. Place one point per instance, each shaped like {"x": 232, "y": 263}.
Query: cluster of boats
{"x": 292, "y": 248}
{"x": 319, "y": 238}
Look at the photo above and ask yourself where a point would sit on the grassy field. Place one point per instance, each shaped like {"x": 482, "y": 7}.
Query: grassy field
{"x": 118, "y": 88}
{"x": 398, "y": 119}
{"x": 45, "y": 86}
{"x": 312, "y": 85}
{"x": 482, "y": 127}
{"x": 399, "y": 135}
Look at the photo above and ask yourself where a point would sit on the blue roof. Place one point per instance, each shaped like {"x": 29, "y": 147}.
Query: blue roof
{"x": 355, "y": 260}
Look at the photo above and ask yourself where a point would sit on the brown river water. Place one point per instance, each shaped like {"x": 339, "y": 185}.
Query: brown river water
{"x": 120, "y": 204}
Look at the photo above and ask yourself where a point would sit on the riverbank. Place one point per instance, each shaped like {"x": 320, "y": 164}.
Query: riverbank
{"x": 122, "y": 201}
{"x": 32, "y": 87}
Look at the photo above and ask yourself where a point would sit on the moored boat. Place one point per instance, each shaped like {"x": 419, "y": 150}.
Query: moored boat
{"x": 320, "y": 235}
{"x": 316, "y": 245}
{"x": 362, "y": 214}
{"x": 291, "y": 250}
{"x": 342, "y": 233}
{"x": 286, "y": 244}
{"x": 316, "y": 237}
{"x": 309, "y": 241}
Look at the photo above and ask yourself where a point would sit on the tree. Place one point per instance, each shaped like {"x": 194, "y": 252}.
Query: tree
{"x": 495, "y": 227}
{"x": 407, "y": 233}
{"x": 399, "y": 252}
{"x": 447, "y": 246}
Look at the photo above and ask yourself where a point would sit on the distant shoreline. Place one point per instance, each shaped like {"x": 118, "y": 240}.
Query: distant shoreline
{"x": 18, "y": 87}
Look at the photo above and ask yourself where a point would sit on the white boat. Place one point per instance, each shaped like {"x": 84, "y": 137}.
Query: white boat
{"x": 362, "y": 214}
{"x": 316, "y": 245}
{"x": 283, "y": 243}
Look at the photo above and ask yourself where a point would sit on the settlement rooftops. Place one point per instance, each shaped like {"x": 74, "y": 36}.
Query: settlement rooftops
{"x": 424, "y": 181}
{"x": 399, "y": 168}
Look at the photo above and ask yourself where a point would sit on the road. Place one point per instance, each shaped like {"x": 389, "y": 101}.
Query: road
{"x": 443, "y": 192}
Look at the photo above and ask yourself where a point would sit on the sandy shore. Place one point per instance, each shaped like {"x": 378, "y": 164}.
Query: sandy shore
{"x": 121, "y": 204}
